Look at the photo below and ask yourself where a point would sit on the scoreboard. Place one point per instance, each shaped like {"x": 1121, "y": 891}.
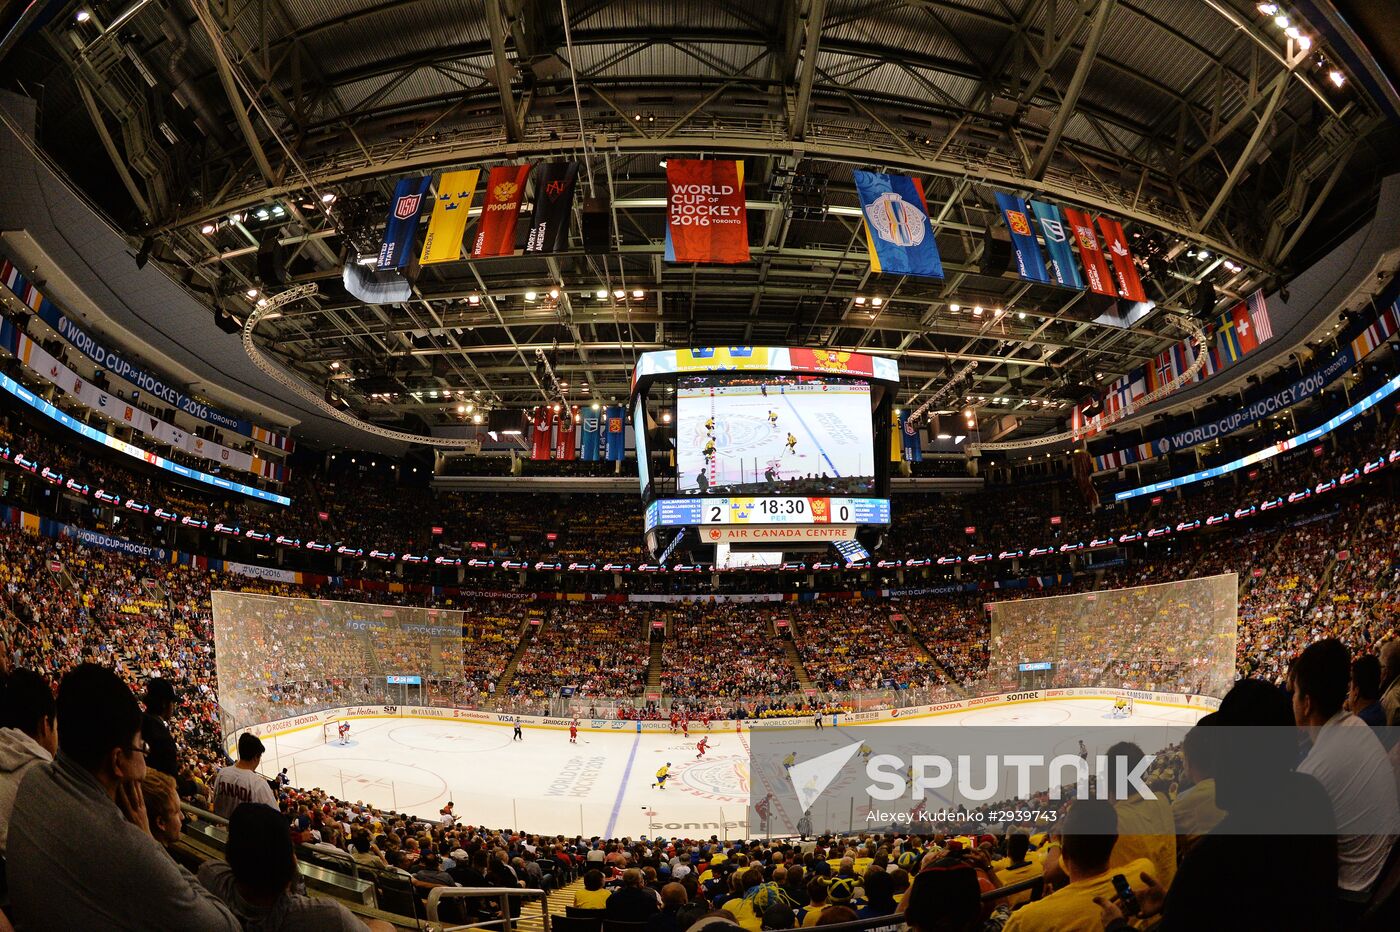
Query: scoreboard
{"x": 766, "y": 510}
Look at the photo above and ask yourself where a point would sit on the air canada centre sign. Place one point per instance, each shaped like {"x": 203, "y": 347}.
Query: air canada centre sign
{"x": 746, "y": 534}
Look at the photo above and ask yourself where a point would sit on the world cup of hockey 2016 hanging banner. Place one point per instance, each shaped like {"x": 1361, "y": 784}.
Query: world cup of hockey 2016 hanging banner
{"x": 554, "y": 199}
{"x": 898, "y": 232}
{"x": 402, "y": 226}
{"x": 706, "y": 220}
{"x": 495, "y": 232}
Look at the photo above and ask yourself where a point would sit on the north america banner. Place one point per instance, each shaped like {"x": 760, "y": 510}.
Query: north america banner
{"x": 706, "y": 217}
{"x": 898, "y": 232}
{"x": 554, "y": 201}
{"x": 495, "y": 231}
{"x": 401, "y": 229}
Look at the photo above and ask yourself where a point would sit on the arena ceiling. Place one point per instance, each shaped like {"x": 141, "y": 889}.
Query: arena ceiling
{"x": 1223, "y": 145}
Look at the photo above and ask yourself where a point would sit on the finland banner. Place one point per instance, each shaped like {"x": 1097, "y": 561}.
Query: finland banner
{"x": 616, "y": 427}
{"x": 898, "y": 232}
{"x": 554, "y": 200}
{"x": 402, "y": 227}
{"x": 1029, "y": 263}
{"x": 1052, "y": 227}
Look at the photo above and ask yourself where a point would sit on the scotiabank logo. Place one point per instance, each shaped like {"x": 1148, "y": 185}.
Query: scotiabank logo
{"x": 464, "y": 713}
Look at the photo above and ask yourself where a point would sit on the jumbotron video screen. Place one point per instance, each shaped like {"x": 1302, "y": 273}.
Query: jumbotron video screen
{"x": 773, "y": 435}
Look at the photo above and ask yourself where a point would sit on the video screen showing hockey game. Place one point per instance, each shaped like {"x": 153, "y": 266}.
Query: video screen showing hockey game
{"x": 1176, "y": 637}
{"x": 277, "y": 657}
{"x": 774, "y": 435}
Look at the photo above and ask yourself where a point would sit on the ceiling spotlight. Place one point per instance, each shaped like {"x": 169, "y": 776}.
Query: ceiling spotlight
{"x": 877, "y": 301}
{"x": 860, "y": 302}
{"x": 461, "y": 409}
{"x": 208, "y": 229}
{"x": 955, "y": 308}
{"x": 1336, "y": 77}
{"x": 262, "y": 302}
{"x": 977, "y": 311}
{"x": 471, "y": 408}
{"x": 252, "y": 292}
{"x": 262, "y": 214}
{"x": 327, "y": 198}
{"x": 636, "y": 118}
{"x": 1203, "y": 254}
{"x": 235, "y": 218}
{"x": 554, "y": 293}
{"x": 530, "y": 296}
{"x": 1304, "y": 42}
{"x": 639, "y": 294}
{"x": 619, "y": 294}
{"x": 663, "y": 163}
{"x": 1268, "y": 9}
{"x": 601, "y": 294}
{"x": 1294, "y": 33}
{"x": 998, "y": 312}
{"x": 1020, "y": 315}
{"x": 473, "y": 299}
{"x": 335, "y": 366}
{"x": 666, "y": 417}
{"x": 83, "y": 16}
{"x": 1281, "y": 21}
{"x": 476, "y": 418}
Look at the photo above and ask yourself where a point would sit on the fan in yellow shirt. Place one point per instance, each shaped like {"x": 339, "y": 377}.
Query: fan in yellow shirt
{"x": 1019, "y": 865}
{"x": 1090, "y": 835}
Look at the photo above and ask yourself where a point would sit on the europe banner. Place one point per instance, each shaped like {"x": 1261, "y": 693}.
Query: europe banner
{"x": 554, "y": 200}
{"x": 911, "y": 450}
{"x": 615, "y": 426}
{"x": 592, "y": 435}
{"x": 495, "y": 232}
{"x": 1029, "y": 262}
{"x": 566, "y": 433}
{"x": 1129, "y": 285}
{"x": 443, "y": 242}
{"x": 1056, "y": 234}
{"x": 402, "y": 227}
{"x": 540, "y": 434}
{"x": 898, "y": 232}
{"x": 706, "y": 217}
{"x": 1090, "y": 253}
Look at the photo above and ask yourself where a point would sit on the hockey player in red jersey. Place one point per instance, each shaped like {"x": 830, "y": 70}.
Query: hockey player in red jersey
{"x": 573, "y": 732}
{"x": 702, "y": 747}
{"x": 675, "y": 722}
{"x": 685, "y": 725}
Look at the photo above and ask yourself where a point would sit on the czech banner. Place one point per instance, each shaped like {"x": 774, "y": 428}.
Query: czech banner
{"x": 540, "y": 439}
{"x": 443, "y": 242}
{"x": 1090, "y": 255}
{"x": 615, "y": 427}
{"x": 554, "y": 201}
{"x": 706, "y": 220}
{"x": 898, "y": 232}
{"x": 566, "y": 433}
{"x": 1053, "y": 229}
{"x": 1124, "y": 270}
{"x": 1029, "y": 262}
{"x": 402, "y": 227}
{"x": 592, "y": 435}
{"x": 495, "y": 232}
{"x": 911, "y": 450}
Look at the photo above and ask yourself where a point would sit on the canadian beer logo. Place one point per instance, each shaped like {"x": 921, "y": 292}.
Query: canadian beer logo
{"x": 407, "y": 206}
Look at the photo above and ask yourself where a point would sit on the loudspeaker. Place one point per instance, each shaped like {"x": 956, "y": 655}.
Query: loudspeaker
{"x": 997, "y": 254}
{"x": 1205, "y": 300}
{"x": 503, "y": 419}
{"x": 226, "y": 321}
{"x": 597, "y": 225}
{"x": 271, "y": 260}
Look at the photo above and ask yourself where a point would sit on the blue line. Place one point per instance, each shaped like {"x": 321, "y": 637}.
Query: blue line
{"x": 622, "y": 787}
{"x": 836, "y": 473}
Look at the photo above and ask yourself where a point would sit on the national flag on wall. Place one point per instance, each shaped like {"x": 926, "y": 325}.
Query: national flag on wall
{"x": 554, "y": 202}
{"x": 402, "y": 227}
{"x": 1124, "y": 270}
{"x": 1057, "y": 234}
{"x": 495, "y": 231}
{"x": 1029, "y": 262}
{"x": 706, "y": 216}
{"x": 1227, "y": 337}
{"x": 540, "y": 434}
{"x": 591, "y": 433}
{"x": 1090, "y": 254}
{"x": 1162, "y": 370}
{"x": 615, "y": 427}
{"x": 1259, "y": 313}
{"x": 448, "y": 224}
{"x": 566, "y": 434}
{"x": 898, "y": 233}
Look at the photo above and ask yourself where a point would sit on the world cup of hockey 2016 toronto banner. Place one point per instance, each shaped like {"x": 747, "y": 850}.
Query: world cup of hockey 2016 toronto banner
{"x": 706, "y": 220}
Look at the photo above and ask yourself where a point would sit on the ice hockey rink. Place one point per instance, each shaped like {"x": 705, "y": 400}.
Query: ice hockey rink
{"x": 602, "y": 785}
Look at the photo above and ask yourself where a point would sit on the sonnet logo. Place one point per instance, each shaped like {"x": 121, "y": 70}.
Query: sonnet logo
{"x": 975, "y": 778}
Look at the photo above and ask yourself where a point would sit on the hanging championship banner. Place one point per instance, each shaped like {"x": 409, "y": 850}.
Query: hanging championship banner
{"x": 495, "y": 231}
{"x": 1124, "y": 270}
{"x": 1090, "y": 255}
{"x": 592, "y": 434}
{"x": 540, "y": 440}
{"x": 554, "y": 201}
{"x": 1056, "y": 234}
{"x": 896, "y": 438}
{"x": 1029, "y": 262}
{"x": 911, "y": 451}
{"x": 898, "y": 232}
{"x": 402, "y": 226}
{"x": 448, "y": 224}
{"x": 566, "y": 433}
{"x": 616, "y": 433}
{"x": 706, "y": 220}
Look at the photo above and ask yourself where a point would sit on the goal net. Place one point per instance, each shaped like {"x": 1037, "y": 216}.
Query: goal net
{"x": 330, "y": 731}
{"x": 278, "y": 657}
{"x": 1176, "y": 637}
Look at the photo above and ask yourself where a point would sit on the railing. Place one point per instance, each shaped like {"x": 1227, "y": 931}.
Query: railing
{"x": 502, "y": 895}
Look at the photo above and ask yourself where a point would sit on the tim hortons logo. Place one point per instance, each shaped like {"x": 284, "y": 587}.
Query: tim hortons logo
{"x": 407, "y": 206}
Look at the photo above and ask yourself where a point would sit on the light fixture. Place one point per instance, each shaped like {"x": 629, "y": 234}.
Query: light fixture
{"x": 277, "y": 210}
{"x": 262, "y": 214}
{"x": 461, "y": 409}
{"x": 1268, "y": 9}
{"x": 335, "y": 366}
{"x": 1304, "y": 42}
{"x": 262, "y": 302}
{"x": 470, "y": 408}
{"x": 600, "y": 294}
{"x": 977, "y": 311}
{"x": 1281, "y": 21}
{"x": 208, "y": 229}
{"x": 252, "y": 292}
{"x": 1294, "y": 33}
{"x": 83, "y": 16}
{"x": 639, "y": 294}
{"x": 476, "y": 418}
{"x": 530, "y": 296}
{"x": 877, "y": 301}
{"x": 666, "y": 417}
{"x": 327, "y": 198}
{"x": 860, "y": 302}
{"x": 554, "y": 293}
{"x": 955, "y": 308}
{"x": 1336, "y": 77}
{"x": 636, "y": 118}
{"x": 1020, "y": 315}
{"x": 619, "y": 294}
{"x": 473, "y": 299}
{"x": 1203, "y": 254}
{"x": 998, "y": 312}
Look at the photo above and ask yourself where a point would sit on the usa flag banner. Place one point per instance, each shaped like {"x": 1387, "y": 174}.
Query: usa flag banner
{"x": 402, "y": 227}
